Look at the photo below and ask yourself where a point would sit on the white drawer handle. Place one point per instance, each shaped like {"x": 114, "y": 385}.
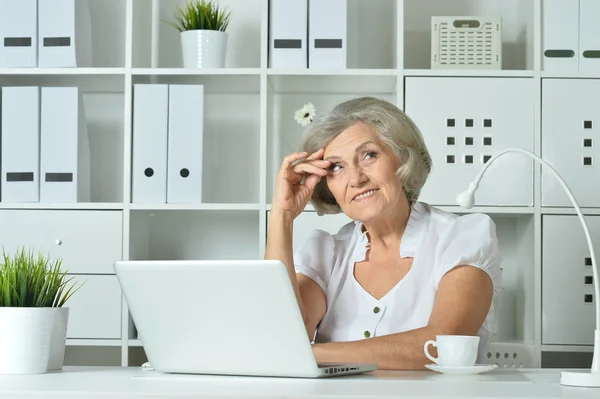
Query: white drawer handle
{"x": 58, "y": 242}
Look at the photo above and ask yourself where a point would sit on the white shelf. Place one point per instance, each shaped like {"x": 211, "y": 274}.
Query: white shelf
{"x": 570, "y": 75}
{"x": 470, "y": 73}
{"x": 194, "y": 207}
{"x": 194, "y": 72}
{"x": 569, "y": 211}
{"x": 93, "y": 342}
{"x": 135, "y": 343}
{"x": 62, "y": 71}
{"x": 78, "y": 205}
{"x": 331, "y": 72}
{"x": 568, "y": 348}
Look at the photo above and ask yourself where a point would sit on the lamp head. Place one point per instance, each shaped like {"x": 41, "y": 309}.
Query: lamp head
{"x": 466, "y": 199}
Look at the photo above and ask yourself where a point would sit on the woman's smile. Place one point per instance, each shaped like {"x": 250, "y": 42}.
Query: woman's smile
{"x": 366, "y": 195}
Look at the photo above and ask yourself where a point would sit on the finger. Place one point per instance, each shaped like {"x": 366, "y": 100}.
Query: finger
{"x": 304, "y": 191}
{"x": 293, "y": 157}
{"x": 311, "y": 182}
{"x": 288, "y": 161}
{"x": 307, "y": 168}
{"x": 317, "y": 155}
{"x": 320, "y": 163}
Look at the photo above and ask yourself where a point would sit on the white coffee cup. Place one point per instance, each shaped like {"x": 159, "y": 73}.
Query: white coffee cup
{"x": 454, "y": 350}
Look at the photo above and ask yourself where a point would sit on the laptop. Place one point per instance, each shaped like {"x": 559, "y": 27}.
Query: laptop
{"x": 226, "y": 317}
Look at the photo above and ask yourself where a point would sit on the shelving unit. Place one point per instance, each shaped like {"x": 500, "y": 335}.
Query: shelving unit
{"x": 249, "y": 127}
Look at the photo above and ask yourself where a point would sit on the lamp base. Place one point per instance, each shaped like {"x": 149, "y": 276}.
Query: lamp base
{"x": 580, "y": 379}
{"x": 589, "y": 379}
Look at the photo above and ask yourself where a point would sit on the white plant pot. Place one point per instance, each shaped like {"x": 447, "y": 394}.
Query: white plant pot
{"x": 25, "y": 339}
{"x": 58, "y": 339}
{"x": 203, "y": 48}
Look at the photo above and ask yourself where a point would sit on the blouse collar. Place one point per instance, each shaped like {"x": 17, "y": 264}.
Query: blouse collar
{"x": 411, "y": 239}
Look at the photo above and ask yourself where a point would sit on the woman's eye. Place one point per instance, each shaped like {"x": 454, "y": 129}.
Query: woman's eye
{"x": 370, "y": 154}
{"x": 335, "y": 167}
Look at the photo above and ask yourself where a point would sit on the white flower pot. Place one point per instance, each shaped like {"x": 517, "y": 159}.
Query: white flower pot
{"x": 203, "y": 48}
{"x": 25, "y": 339}
{"x": 58, "y": 339}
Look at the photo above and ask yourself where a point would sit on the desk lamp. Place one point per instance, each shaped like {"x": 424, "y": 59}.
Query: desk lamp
{"x": 466, "y": 199}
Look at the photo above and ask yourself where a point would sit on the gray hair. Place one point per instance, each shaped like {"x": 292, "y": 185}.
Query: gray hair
{"x": 394, "y": 127}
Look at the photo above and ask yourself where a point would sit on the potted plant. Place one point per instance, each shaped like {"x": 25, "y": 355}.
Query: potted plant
{"x": 202, "y": 25}
{"x": 33, "y": 290}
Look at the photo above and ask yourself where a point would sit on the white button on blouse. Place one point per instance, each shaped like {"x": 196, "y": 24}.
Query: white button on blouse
{"x": 436, "y": 240}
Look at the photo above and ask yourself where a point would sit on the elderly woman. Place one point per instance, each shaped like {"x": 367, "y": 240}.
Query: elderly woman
{"x": 403, "y": 271}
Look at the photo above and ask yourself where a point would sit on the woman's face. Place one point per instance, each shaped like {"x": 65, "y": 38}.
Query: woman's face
{"x": 362, "y": 175}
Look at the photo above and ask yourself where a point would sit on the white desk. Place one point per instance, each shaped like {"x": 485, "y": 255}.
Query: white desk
{"x": 117, "y": 383}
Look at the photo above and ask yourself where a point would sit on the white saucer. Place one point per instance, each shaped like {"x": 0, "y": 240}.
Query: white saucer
{"x": 462, "y": 370}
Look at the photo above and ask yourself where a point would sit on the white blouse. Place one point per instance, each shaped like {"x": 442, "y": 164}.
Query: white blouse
{"x": 436, "y": 240}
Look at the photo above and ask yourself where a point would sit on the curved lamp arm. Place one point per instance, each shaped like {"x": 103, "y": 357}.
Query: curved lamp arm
{"x": 466, "y": 199}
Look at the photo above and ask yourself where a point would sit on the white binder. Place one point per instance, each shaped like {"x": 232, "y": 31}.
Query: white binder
{"x": 20, "y": 144}
{"x": 18, "y": 33}
{"x": 64, "y": 147}
{"x": 64, "y": 37}
{"x": 288, "y": 34}
{"x": 150, "y": 124}
{"x": 560, "y": 35}
{"x": 185, "y": 144}
{"x": 327, "y": 29}
{"x": 589, "y": 35}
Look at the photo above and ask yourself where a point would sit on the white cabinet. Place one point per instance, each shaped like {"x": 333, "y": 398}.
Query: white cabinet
{"x": 464, "y": 122}
{"x": 95, "y": 309}
{"x": 570, "y": 142}
{"x": 568, "y": 303}
{"x": 86, "y": 241}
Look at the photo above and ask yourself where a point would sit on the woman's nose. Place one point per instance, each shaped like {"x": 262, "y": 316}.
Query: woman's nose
{"x": 357, "y": 177}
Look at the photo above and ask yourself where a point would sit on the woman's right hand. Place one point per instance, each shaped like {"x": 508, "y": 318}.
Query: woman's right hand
{"x": 291, "y": 195}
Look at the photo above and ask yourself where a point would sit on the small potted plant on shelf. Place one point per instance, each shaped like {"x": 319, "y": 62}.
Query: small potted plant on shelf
{"x": 33, "y": 319}
{"x": 202, "y": 25}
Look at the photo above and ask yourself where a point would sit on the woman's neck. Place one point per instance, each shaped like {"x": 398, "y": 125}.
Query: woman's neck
{"x": 388, "y": 229}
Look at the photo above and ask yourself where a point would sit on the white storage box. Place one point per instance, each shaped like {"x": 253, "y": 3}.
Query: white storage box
{"x": 466, "y": 43}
